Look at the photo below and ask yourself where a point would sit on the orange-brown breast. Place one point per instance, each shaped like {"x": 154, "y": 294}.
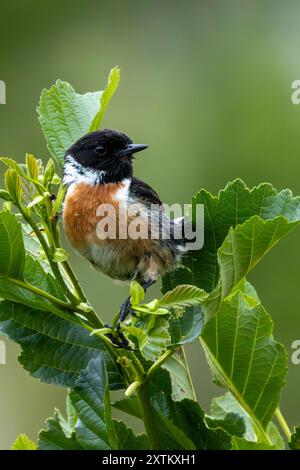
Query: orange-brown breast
{"x": 80, "y": 217}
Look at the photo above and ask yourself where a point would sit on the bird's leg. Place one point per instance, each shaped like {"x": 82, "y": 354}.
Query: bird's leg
{"x": 124, "y": 312}
{"x": 126, "y": 306}
{"x": 148, "y": 284}
{"x": 121, "y": 341}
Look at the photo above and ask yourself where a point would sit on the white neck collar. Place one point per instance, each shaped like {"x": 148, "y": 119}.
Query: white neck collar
{"x": 74, "y": 172}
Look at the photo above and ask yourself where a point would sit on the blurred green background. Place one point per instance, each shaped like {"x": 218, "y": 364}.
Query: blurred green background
{"x": 207, "y": 84}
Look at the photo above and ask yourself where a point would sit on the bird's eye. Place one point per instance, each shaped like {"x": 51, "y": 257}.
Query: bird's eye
{"x": 100, "y": 150}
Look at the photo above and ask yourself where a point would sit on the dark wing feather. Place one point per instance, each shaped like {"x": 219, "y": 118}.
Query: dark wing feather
{"x": 141, "y": 190}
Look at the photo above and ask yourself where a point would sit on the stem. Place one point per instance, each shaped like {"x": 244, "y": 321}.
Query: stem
{"x": 159, "y": 363}
{"x": 54, "y": 242}
{"x": 55, "y": 300}
{"x": 91, "y": 315}
{"x": 283, "y": 424}
{"x": 44, "y": 294}
{"x": 148, "y": 417}
{"x": 137, "y": 366}
{"x": 48, "y": 253}
{"x": 164, "y": 359}
{"x": 74, "y": 281}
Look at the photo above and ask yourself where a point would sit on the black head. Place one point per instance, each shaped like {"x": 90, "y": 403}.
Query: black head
{"x": 107, "y": 151}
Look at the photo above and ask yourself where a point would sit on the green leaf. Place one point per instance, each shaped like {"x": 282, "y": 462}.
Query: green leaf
{"x": 295, "y": 440}
{"x": 232, "y": 424}
{"x": 5, "y": 195}
{"x": 12, "y": 253}
{"x": 19, "y": 181}
{"x": 34, "y": 249}
{"x": 53, "y": 350}
{"x": 90, "y": 398}
{"x": 32, "y": 175}
{"x": 178, "y": 438}
{"x": 275, "y": 436}
{"x": 68, "y": 425}
{"x": 61, "y": 434}
{"x": 56, "y": 180}
{"x": 241, "y": 251}
{"x": 228, "y": 413}
{"x": 240, "y": 227}
{"x": 35, "y": 201}
{"x": 137, "y": 293}
{"x": 88, "y": 431}
{"x": 129, "y": 405}
{"x": 72, "y": 415}
{"x": 276, "y": 441}
{"x": 112, "y": 85}
{"x": 151, "y": 334}
{"x": 23, "y": 443}
{"x": 7, "y": 206}
{"x": 181, "y": 386}
{"x": 12, "y": 164}
{"x": 54, "y": 437}
{"x": 245, "y": 359}
{"x": 186, "y": 327}
{"x": 182, "y": 421}
{"x": 182, "y": 296}
{"x": 49, "y": 172}
{"x": 33, "y": 166}
{"x": 239, "y": 443}
{"x": 191, "y": 418}
{"x": 65, "y": 115}
{"x": 127, "y": 439}
{"x": 35, "y": 275}
{"x": 13, "y": 184}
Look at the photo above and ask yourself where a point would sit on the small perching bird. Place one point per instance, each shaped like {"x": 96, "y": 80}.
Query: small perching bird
{"x": 98, "y": 173}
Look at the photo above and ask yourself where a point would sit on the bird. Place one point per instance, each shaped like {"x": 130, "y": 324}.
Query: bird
{"x": 98, "y": 172}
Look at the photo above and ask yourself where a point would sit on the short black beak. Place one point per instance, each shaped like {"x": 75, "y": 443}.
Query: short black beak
{"x": 133, "y": 148}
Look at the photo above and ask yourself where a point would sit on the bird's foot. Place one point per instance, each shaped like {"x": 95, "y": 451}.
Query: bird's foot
{"x": 117, "y": 338}
{"x": 124, "y": 312}
{"x": 133, "y": 313}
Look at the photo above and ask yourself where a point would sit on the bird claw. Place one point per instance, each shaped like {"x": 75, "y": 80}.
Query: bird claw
{"x": 133, "y": 313}
{"x": 120, "y": 341}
